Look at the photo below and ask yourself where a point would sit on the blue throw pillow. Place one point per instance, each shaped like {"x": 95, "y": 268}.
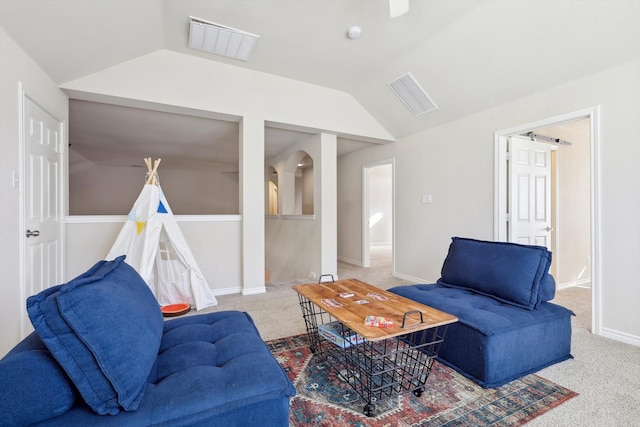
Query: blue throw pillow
{"x": 547, "y": 289}
{"x": 508, "y": 272}
{"x": 35, "y": 388}
{"x": 104, "y": 328}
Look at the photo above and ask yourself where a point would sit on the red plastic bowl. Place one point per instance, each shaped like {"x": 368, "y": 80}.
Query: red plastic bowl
{"x": 172, "y": 310}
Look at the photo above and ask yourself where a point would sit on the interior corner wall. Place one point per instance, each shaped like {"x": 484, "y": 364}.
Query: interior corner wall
{"x": 454, "y": 163}
{"x": 17, "y": 67}
{"x": 325, "y": 198}
{"x": 252, "y": 204}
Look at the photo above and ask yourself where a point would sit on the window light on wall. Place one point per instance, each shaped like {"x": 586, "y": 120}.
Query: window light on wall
{"x": 221, "y": 40}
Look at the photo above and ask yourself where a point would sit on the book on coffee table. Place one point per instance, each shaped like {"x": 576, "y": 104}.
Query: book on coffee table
{"x": 340, "y": 335}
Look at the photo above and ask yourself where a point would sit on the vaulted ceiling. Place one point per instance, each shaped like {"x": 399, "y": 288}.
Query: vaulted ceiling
{"x": 469, "y": 55}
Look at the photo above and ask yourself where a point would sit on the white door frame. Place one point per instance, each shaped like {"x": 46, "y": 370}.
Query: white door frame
{"x": 22, "y": 194}
{"x": 366, "y": 232}
{"x": 500, "y": 173}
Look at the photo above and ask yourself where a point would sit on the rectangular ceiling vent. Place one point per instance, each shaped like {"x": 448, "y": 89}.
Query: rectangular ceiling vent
{"x": 220, "y": 40}
{"x": 412, "y": 95}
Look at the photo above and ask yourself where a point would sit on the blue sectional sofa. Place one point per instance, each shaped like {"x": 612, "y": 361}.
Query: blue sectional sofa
{"x": 500, "y": 292}
{"x": 102, "y": 354}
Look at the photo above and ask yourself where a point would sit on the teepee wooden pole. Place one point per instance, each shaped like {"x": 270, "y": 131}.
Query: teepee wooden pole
{"x": 152, "y": 173}
{"x": 155, "y": 171}
{"x": 147, "y": 161}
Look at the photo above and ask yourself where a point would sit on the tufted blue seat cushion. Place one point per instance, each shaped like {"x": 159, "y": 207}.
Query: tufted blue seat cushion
{"x": 221, "y": 358}
{"x": 210, "y": 369}
{"x": 495, "y": 342}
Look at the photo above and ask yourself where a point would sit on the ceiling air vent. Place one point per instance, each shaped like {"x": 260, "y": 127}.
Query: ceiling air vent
{"x": 412, "y": 95}
{"x": 220, "y": 40}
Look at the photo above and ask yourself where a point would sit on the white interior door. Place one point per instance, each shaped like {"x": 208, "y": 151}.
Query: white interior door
{"x": 529, "y": 192}
{"x": 43, "y": 208}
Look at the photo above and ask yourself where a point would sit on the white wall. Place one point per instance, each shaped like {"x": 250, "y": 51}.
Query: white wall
{"x": 169, "y": 78}
{"x": 16, "y": 67}
{"x": 292, "y": 247}
{"x": 454, "y": 162}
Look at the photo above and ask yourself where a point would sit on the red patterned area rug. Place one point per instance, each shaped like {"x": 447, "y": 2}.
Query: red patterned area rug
{"x": 450, "y": 399}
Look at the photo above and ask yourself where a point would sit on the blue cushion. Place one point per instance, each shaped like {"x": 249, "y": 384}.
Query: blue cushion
{"x": 36, "y": 388}
{"x": 495, "y": 342}
{"x": 508, "y": 272}
{"x": 214, "y": 359}
{"x": 547, "y": 289}
{"x": 104, "y": 328}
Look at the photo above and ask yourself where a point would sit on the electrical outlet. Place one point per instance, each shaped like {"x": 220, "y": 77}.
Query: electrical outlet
{"x": 426, "y": 198}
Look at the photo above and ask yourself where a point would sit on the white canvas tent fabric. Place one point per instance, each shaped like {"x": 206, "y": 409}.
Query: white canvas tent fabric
{"x": 155, "y": 247}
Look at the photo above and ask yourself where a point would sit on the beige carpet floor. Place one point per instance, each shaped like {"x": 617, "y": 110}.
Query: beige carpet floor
{"x": 605, "y": 373}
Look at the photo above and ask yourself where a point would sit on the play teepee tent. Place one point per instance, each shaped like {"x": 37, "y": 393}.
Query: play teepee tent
{"x": 155, "y": 247}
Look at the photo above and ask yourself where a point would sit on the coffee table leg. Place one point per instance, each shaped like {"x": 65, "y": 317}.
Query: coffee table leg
{"x": 309, "y": 315}
{"x": 369, "y": 409}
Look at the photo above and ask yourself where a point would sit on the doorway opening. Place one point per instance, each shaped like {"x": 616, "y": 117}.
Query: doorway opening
{"x": 574, "y": 199}
{"x": 378, "y": 215}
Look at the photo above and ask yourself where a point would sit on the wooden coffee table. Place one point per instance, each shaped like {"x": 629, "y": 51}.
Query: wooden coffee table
{"x": 378, "y": 362}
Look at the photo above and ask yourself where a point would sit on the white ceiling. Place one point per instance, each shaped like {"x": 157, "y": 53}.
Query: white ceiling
{"x": 469, "y": 55}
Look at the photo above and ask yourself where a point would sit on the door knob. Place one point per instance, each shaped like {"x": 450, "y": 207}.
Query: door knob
{"x": 549, "y": 228}
{"x": 34, "y": 233}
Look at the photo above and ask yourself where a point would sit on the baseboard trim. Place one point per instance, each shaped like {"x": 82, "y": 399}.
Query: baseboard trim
{"x": 584, "y": 283}
{"x": 254, "y": 291}
{"x": 350, "y": 261}
{"x": 620, "y": 336}
{"x": 227, "y": 291}
{"x": 408, "y": 278}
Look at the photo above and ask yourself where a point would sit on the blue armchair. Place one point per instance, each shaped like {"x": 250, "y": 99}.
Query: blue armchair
{"x": 102, "y": 354}
{"x": 500, "y": 293}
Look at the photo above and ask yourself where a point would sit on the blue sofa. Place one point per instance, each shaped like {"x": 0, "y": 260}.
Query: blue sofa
{"x": 102, "y": 354}
{"x": 500, "y": 292}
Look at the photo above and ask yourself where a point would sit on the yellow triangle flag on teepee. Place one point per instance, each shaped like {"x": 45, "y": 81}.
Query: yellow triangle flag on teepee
{"x": 140, "y": 226}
